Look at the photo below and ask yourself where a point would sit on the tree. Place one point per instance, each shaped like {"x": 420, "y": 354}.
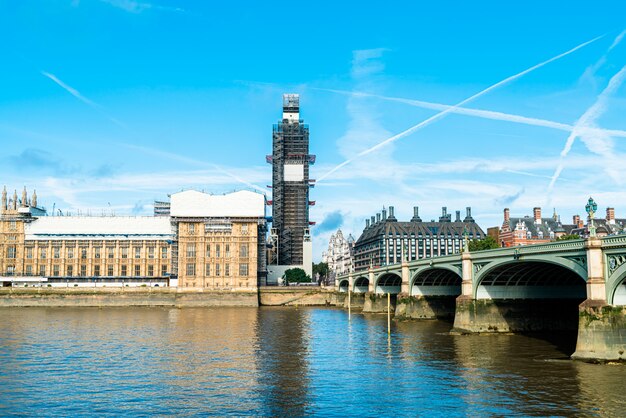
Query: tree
{"x": 487, "y": 243}
{"x": 296, "y": 275}
{"x": 568, "y": 237}
{"x": 321, "y": 268}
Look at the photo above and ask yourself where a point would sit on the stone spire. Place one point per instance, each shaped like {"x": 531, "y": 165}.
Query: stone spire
{"x": 4, "y": 198}
{"x": 34, "y": 202}
{"x": 24, "y": 197}
{"x": 15, "y": 199}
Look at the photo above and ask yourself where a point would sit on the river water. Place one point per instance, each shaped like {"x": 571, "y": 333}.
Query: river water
{"x": 285, "y": 362}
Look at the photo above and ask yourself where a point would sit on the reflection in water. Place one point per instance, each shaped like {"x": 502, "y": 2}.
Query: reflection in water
{"x": 283, "y": 362}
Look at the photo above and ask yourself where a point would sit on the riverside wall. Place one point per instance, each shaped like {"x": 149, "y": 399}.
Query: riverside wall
{"x": 164, "y": 296}
{"x": 103, "y": 297}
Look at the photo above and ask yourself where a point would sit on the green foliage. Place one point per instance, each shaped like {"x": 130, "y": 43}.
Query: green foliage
{"x": 321, "y": 268}
{"x": 568, "y": 237}
{"x": 487, "y": 243}
{"x": 297, "y": 275}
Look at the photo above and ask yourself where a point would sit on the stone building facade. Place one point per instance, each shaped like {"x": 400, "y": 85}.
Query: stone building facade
{"x": 220, "y": 251}
{"x": 340, "y": 253}
{"x": 386, "y": 241}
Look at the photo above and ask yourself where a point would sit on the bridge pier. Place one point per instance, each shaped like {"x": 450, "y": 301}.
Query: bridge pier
{"x": 601, "y": 327}
{"x": 377, "y": 303}
{"x": 425, "y": 307}
{"x": 601, "y": 332}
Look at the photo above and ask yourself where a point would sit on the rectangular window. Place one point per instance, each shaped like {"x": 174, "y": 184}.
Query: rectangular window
{"x": 83, "y": 253}
{"x": 42, "y": 270}
{"x": 12, "y": 225}
{"x": 137, "y": 270}
{"x": 217, "y": 270}
{"x": 217, "y": 250}
{"x": 150, "y": 270}
{"x": 29, "y": 270}
{"x": 164, "y": 270}
{"x": 124, "y": 251}
{"x": 227, "y": 270}
{"x": 243, "y": 269}
{"x": 43, "y": 253}
{"x": 244, "y": 229}
{"x": 207, "y": 269}
{"x": 208, "y": 250}
{"x": 96, "y": 271}
{"x": 110, "y": 270}
{"x": 29, "y": 252}
{"x": 124, "y": 269}
{"x": 83, "y": 270}
{"x": 137, "y": 252}
{"x": 70, "y": 271}
{"x": 11, "y": 251}
{"x": 243, "y": 250}
{"x": 110, "y": 252}
{"x": 96, "y": 252}
{"x": 150, "y": 252}
{"x": 56, "y": 252}
{"x": 164, "y": 252}
{"x": 226, "y": 250}
{"x": 191, "y": 269}
{"x": 191, "y": 250}
{"x": 70, "y": 253}
{"x": 56, "y": 270}
{"x": 192, "y": 228}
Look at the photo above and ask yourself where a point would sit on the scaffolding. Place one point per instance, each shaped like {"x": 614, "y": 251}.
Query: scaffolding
{"x": 290, "y": 188}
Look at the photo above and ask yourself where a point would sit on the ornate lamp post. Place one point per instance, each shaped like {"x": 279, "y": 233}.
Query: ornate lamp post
{"x": 591, "y": 209}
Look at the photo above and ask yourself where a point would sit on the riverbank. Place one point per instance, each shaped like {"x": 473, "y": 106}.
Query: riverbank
{"x": 165, "y": 296}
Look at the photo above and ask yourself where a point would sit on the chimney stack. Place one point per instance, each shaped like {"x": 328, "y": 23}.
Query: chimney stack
{"x": 578, "y": 222}
{"x": 458, "y": 216}
{"x": 537, "y": 215}
{"x": 416, "y": 214}
{"x": 372, "y": 220}
{"x": 367, "y": 223}
{"x": 384, "y": 213}
{"x": 468, "y": 215}
{"x": 610, "y": 215}
{"x": 507, "y": 215}
{"x": 377, "y": 217}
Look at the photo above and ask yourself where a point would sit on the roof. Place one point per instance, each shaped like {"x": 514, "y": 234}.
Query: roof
{"x": 103, "y": 227}
{"x": 547, "y": 225}
{"x": 192, "y": 203}
{"x": 427, "y": 229}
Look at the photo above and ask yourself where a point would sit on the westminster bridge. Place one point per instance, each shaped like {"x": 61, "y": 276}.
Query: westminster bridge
{"x": 577, "y": 284}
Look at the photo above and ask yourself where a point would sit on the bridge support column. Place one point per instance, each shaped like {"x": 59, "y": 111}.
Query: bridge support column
{"x": 601, "y": 335}
{"x": 465, "y": 312}
{"x": 371, "y": 288}
{"x": 404, "y": 289}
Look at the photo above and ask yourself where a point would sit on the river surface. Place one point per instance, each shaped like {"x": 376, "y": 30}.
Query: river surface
{"x": 285, "y": 362}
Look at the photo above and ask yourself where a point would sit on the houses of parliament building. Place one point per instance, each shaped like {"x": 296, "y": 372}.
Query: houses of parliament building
{"x": 195, "y": 241}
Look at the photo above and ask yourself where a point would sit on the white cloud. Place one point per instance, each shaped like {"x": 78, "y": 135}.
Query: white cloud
{"x": 133, "y": 6}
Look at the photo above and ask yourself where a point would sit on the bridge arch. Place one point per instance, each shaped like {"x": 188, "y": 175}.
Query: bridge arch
{"x": 344, "y": 285}
{"x": 616, "y": 286}
{"x": 531, "y": 279}
{"x": 437, "y": 281}
{"x": 361, "y": 284}
{"x": 388, "y": 283}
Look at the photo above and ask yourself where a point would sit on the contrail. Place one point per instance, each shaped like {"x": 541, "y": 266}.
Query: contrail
{"x": 188, "y": 160}
{"x": 71, "y": 90}
{"x": 581, "y": 127}
{"x": 445, "y": 112}
{"x": 480, "y": 113}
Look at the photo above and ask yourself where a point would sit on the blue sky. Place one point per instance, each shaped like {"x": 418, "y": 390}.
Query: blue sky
{"x": 110, "y": 104}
